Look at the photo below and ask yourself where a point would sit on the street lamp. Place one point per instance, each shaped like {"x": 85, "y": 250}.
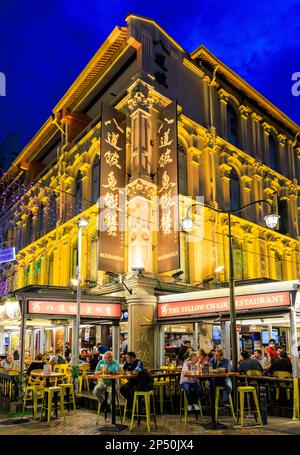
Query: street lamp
{"x": 82, "y": 223}
{"x": 271, "y": 222}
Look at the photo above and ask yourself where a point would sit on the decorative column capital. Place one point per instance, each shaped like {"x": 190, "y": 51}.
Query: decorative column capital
{"x": 245, "y": 111}
{"x": 256, "y": 117}
{"x": 266, "y": 127}
{"x": 223, "y": 96}
{"x": 139, "y": 97}
{"x": 281, "y": 138}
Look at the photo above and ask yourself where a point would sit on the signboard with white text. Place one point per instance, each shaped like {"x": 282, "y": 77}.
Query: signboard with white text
{"x": 102, "y": 310}
{"x": 222, "y": 304}
{"x": 7, "y": 255}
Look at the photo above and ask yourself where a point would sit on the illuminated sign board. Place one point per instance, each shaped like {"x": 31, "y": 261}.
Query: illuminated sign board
{"x": 222, "y": 304}
{"x": 7, "y": 255}
{"x": 102, "y": 310}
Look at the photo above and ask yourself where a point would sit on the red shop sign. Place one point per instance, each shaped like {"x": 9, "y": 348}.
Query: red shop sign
{"x": 103, "y": 310}
{"x": 222, "y": 304}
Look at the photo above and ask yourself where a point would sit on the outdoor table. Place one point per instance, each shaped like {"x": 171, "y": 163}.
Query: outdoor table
{"x": 112, "y": 377}
{"x": 213, "y": 425}
{"x": 49, "y": 376}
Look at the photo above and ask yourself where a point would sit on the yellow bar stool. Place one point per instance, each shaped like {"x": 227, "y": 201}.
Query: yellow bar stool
{"x": 219, "y": 391}
{"x": 32, "y": 394}
{"x": 184, "y": 407}
{"x": 68, "y": 390}
{"x": 241, "y": 399}
{"x": 48, "y": 401}
{"x": 147, "y": 397}
{"x": 282, "y": 385}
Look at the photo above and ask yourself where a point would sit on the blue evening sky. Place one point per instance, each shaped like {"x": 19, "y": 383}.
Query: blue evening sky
{"x": 45, "y": 45}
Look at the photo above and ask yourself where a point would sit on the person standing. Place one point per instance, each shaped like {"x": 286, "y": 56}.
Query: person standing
{"x": 271, "y": 351}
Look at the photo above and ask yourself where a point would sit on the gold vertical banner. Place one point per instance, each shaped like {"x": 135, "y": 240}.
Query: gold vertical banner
{"x": 112, "y": 190}
{"x": 167, "y": 191}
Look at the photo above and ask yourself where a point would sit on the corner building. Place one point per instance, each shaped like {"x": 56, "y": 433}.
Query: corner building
{"x": 232, "y": 147}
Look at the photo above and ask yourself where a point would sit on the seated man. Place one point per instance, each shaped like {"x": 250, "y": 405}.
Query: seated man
{"x": 191, "y": 385}
{"x": 37, "y": 364}
{"x": 83, "y": 358}
{"x": 262, "y": 359}
{"x": 220, "y": 365}
{"x": 247, "y": 364}
{"x": 134, "y": 367}
{"x": 109, "y": 365}
{"x": 283, "y": 363}
{"x": 58, "y": 359}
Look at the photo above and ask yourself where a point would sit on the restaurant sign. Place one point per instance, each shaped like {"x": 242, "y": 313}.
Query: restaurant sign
{"x": 222, "y": 304}
{"x": 103, "y": 310}
{"x": 7, "y": 255}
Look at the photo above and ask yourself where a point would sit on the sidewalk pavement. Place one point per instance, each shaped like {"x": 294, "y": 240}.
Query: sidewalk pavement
{"x": 84, "y": 423}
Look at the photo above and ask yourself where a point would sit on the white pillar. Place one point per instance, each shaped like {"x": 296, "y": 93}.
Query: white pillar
{"x": 98, "y": 334}
{"x": 270, "y": 329}
{"x": 32, "y": 343}
{"x": 226, "y": 339}
{"x": 195, "y": 335}
{"x": 115, "y": 331}
{"x": 159, "y": 346}
{"x": 42, "y": 340}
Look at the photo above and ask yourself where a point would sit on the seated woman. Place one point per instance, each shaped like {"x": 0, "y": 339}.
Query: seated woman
{"x": 8, "y": 362}
{"x": 191, "y": 385}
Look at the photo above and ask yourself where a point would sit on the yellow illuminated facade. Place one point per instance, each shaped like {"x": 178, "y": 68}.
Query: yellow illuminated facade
{"x": 234, "y": 147}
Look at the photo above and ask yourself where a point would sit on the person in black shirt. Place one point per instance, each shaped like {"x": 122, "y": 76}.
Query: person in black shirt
{"x": 133, "y": 366}
{"x": 95, "y": 360}
{"x": 247, "y": 364}
{"x": 36, "y": 364}
{"x": 282, "y": 364}
{"x": 183, "y": 353}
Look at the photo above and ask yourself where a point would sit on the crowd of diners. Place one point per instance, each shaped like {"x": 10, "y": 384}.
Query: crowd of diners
{"x": 275, "y": 359}
{"x": 101, "y": 361}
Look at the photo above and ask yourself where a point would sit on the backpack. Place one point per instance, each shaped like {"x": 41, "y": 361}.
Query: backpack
{"x": 145, "y": 381}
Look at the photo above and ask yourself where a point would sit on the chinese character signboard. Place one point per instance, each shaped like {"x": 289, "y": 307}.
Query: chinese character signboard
{"x": 112, "y": 184}
{"x": 167, "y": 182}
{"x": 222, "y": 304}
{"x": 102, "y": 310}
{"x": 7, "y": 255}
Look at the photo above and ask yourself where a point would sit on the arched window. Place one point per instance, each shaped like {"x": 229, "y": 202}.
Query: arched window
{"x": 239, "y": 261}
{"x": 53, "y": 212}
{"x": 273, "y": 154}
{"x": 78, "y": 193}
{"x": 41, "y": 223}
{"x": 51, "y": 270}
{"x": 234, "y": 190}
{"x": 93, "y": 257}
{"x": 232, "y": 126}
{"x": 96, "y": 180}
{"x": 182, "y": 170}
{"x": 278, "y": 266}
{"x": 30, "y": 229}
{"x": 37, "y": 268}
